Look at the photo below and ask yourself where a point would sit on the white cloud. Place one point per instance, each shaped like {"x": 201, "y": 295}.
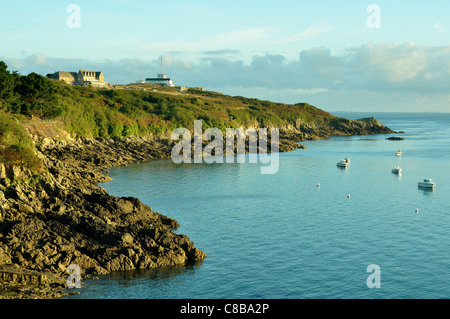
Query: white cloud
{"x": 397, "y": 63}
{"x": 240, "y": 37}
{"x": 37, "y": 59}
{"x": 13, "y": 64}
{"x": 421, "y": 99}
{"x": 169, "y": 61}
{"x": 438, "y": 27}
{"x": 380, "y": 68}
{"x": 310, "y": 32}
{"x": 222, "y": 52}
{"x": 243, "y": 36}
{"x": 261, "y": 91}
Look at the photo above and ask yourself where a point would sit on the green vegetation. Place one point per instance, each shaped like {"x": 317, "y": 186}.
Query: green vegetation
{"x": 16, "y": 146}
{"x": 127, "y": 111}
{"x": 119, "y": 112}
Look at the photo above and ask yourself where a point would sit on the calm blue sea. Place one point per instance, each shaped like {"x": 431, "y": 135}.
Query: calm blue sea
{"x": 281, "y": 236}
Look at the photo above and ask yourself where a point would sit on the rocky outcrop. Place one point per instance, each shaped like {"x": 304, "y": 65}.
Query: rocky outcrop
{"x": 60, "y": 217}
{"x": 25, "y": 284}
{"x": 303, "y": 130}
{"x": 90, "y": 228}
{"x": 395, "y": 138}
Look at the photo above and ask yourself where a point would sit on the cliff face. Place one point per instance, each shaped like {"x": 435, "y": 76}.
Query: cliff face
{"x": 303, "y": 131}
{"x": 367, "y": 126}
{"x": 58, "y": 218}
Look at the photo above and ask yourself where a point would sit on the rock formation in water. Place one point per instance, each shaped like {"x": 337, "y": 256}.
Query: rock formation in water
{"x": 61, "y": 217}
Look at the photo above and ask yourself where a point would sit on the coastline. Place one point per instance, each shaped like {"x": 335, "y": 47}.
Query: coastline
{"x": 62, "y": 216}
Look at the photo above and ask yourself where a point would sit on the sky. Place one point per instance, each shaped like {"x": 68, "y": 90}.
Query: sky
{"x": 364, "y": 56}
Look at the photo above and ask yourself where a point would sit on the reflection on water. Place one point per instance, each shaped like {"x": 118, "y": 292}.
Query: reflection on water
{"x": 160, "y": 274}
{"x": 426, "y": 190}
{"x": 165, "y": 273}
{"x": 137, "y": 284}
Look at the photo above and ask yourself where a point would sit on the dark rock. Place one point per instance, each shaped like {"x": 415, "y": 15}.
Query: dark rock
{"x": 395, "y": 138}
{"x": 66, "y": 219}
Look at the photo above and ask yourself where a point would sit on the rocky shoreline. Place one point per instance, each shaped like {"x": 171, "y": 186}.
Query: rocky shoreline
{"x": 60, "y": 216}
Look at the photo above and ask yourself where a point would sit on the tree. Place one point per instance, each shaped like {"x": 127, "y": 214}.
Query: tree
{"x": 6, "y": 83}
{"x": 34, "y": 86}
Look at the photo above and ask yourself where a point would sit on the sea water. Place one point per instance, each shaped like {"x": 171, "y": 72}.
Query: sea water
{"x": 283, "y": 236}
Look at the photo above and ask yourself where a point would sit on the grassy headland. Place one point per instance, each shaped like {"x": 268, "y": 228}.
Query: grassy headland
{"x": 142, "y": 109}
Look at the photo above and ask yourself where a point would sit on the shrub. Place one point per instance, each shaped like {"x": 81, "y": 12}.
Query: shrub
{"x": 16, "y": 146}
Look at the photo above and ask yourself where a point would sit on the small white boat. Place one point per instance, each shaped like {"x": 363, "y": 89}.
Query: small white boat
{"x": 397, "y": 170}
{"x": 344, "y": 163}
{"x": 399, "y": 153}
{"x": 427, "y": 182}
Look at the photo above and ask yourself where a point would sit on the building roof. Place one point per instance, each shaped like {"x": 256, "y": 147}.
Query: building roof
{"x": 97, "y": 73}
{"x": 66, "y": 73}
{"x": 157, "y": 79}
{"x": 59, "y": 74}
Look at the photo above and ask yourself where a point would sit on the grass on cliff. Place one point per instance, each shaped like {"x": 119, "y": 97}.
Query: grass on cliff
{"x": 94, "y": 112}
{"x": 16, "y": 146}
{"x": 132, "y": 110}
{"x": 124, "y": 112}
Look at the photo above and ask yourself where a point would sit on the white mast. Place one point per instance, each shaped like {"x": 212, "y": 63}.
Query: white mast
{"x": 161, "y": 75}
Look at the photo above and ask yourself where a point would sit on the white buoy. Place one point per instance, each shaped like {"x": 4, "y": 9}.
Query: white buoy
{"x": 318, "y": 184}
{"x": 417, "y": 210}
{"x": 348, "y": 196}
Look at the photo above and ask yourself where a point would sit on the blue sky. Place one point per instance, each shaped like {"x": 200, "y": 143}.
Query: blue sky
{"x": 321, "y": 52}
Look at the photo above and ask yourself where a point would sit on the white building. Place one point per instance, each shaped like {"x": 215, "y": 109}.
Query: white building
{"x": 161, "y": 79}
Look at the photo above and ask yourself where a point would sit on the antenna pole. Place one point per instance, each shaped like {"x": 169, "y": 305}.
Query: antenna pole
{"x": 161, "y": 65}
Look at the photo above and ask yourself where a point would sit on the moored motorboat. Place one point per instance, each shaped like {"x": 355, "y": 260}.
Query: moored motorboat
{"x": 399, "y": 152}
{"x": 397, "y": 170}
{"x": 344, "y": 163}
{"x": 427, "y": 182}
